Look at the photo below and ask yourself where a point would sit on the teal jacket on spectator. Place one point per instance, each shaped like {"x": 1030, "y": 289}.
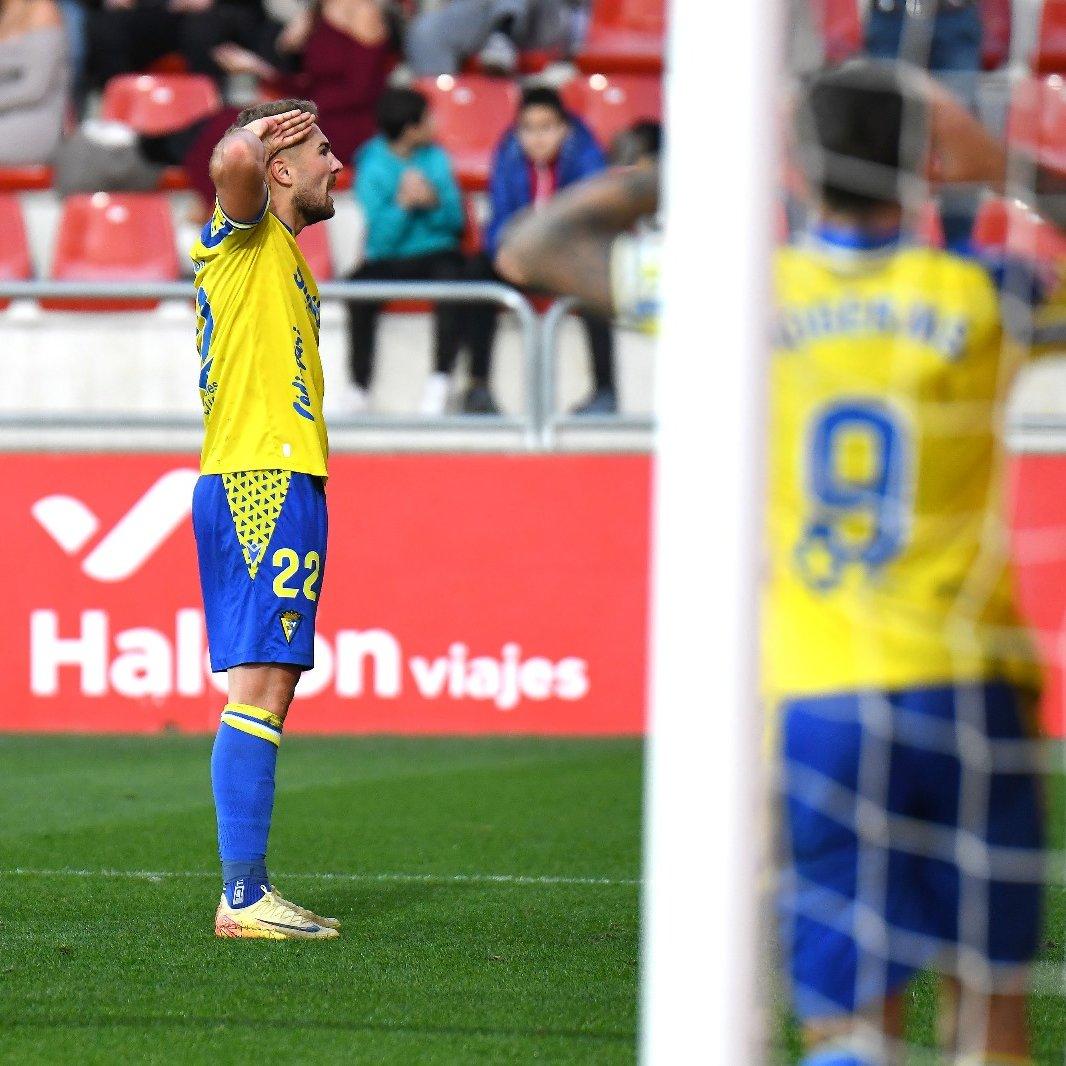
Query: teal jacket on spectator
{"x": 394, "y": 232}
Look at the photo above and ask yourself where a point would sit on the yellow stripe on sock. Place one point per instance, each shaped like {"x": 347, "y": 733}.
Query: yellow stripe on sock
{"x": 254, "y": 712}
{"x": 253, "y": 728}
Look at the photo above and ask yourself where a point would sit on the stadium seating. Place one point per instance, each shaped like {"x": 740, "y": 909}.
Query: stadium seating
{"x": 1050, "y": 55}
{"x": 159, "y": 103}
{"x": 612, "y": 103}
{"x": 25, "y": 179}
{"x": 112, "y": 237}
{"x": 1005, "y": 227}
{"x": 15, "y": 262}
{"x": 624, "y": 36}
{"x": 840, "y": 27}
{"x": 471, "y": 112}
{"x": 314, "y": 243}
{"x": 1037, "y": 120}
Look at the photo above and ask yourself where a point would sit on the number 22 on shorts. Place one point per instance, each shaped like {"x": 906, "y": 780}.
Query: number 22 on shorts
{"x": 287, "y": 563}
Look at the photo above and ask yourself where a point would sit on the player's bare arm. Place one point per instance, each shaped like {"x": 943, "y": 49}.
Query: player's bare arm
{"x": 565, "y": 246}
{"x": 963, "y": 150}
{"x": 240, "y": 160}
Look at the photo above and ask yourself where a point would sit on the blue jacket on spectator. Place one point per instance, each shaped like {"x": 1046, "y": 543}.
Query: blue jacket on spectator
{"x": 509, "y": 183}
{"x": 394, "y": 232}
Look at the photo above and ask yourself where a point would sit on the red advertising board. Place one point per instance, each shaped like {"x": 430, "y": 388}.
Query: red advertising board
{"x": 1038, "y": 506}
{"x": 463, "y": 594}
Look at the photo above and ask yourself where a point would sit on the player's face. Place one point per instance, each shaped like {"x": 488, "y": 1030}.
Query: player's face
{"x": 541, "y": 132}
{"x": 316, "y": 169}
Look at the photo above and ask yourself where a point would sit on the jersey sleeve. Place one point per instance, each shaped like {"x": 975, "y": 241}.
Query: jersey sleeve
{"x": 1032, "y": 299}
{"x": 1049, "y": 323}
{"x": 222, "y": 233}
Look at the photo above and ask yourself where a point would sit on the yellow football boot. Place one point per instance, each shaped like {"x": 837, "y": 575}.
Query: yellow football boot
{"x": 270, "y": 918}
{"x": 329, "y": 923}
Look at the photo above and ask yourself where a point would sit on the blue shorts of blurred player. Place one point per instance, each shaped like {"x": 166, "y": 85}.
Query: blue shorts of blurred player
{"x": 897, "y": 806}
{"x": 261, "y": 544}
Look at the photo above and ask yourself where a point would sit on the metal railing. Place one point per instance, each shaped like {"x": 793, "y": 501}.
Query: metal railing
{"x": 531, "y": 424}
{"x": 554, "y": 419}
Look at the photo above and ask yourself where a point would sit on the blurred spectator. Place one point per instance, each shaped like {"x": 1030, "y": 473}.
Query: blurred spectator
{"x": 76, "y": 21}
{"x": 442, "y": 40}
{"x": 640, "y": 145}
{"x": 546, "y": 150}
{"x": 996, "y": 18}
{"x": 34, "y": 78}
{"x": 945, "y": 37}
{"x": 344, "y": 51}
{"x": 129, "y": 35}
{"x": 414, "y": 216}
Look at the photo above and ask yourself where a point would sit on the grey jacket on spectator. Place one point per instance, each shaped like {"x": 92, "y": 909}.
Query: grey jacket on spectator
{"x": 34, "y": 75}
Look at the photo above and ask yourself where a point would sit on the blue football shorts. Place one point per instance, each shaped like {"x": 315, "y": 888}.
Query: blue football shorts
{"x": 261, "y": 544}
{"x": 913, "y": 837}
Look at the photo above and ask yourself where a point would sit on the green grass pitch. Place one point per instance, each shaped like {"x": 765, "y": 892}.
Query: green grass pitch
{"x": 437, "y": 962}
{"x": 488, "y": 889}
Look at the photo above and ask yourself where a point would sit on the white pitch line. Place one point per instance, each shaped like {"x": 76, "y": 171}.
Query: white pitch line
{"x": 384, "y": 878}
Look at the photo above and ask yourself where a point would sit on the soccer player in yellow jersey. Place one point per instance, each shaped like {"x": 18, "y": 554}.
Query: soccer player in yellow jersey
{"x": 894, "y": 655}
{"x": 259, "y": 508}
{"x": 895, "y": 662}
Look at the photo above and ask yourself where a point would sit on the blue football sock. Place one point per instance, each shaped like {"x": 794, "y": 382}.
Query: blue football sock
{"x": 242, "y": 779}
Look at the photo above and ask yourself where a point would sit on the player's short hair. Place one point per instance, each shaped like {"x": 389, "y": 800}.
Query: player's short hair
{"x": 543, "y": 96}
{"x": 273, "y": 107}
{"x": 861, "y": 134}
{"x": 398, "y": 110}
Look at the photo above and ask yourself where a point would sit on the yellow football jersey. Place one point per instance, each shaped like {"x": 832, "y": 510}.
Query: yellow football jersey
{"x": 258, "y": 316}
{"x": 888, "y": 556}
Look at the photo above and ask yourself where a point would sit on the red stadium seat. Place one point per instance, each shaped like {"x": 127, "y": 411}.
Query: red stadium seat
{"x": 114, "y": 237}
{"x": 15, "y": 262}
{"x": 472, "y": 113}
{"x": 25, "y": 179}
{"x": 624, "y": 36}
{"x": 1005, "y": 227}
{"x": 1050, "y": 56}
{"x": 159, "y": 103}
{"x": 840, "y": 27}
{"x": 314, "y": 243}
{"x": 1037, "y": 120}
{"x": 471, "y": 242}
{"x": 612, "y": 103}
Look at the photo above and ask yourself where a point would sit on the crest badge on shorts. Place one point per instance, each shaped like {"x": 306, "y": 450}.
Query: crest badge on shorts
{"x": 290, "y": 622}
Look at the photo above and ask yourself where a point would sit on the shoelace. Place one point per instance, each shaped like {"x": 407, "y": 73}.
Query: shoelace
{"x": 289, "y": 911}
{"x": 301, "y": 912}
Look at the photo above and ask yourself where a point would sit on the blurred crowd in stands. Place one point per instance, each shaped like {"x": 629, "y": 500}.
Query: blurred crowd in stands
{"x": 453, "y": 115}
{"x": 132, "y": 95}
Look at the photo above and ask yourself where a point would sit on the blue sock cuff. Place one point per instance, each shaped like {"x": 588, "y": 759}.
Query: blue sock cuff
{"x": 252, "y": 870}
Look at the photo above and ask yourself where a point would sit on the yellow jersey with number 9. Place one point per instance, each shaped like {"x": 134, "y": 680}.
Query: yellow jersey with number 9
{"x": 258, "y": 317}
{"x": 888, "y": 555}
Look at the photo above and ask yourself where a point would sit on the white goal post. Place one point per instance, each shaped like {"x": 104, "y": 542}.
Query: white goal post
{"x": 702, "y": 824}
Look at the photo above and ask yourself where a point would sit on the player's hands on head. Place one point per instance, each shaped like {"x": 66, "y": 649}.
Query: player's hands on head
{"x": 278, "y": 132}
